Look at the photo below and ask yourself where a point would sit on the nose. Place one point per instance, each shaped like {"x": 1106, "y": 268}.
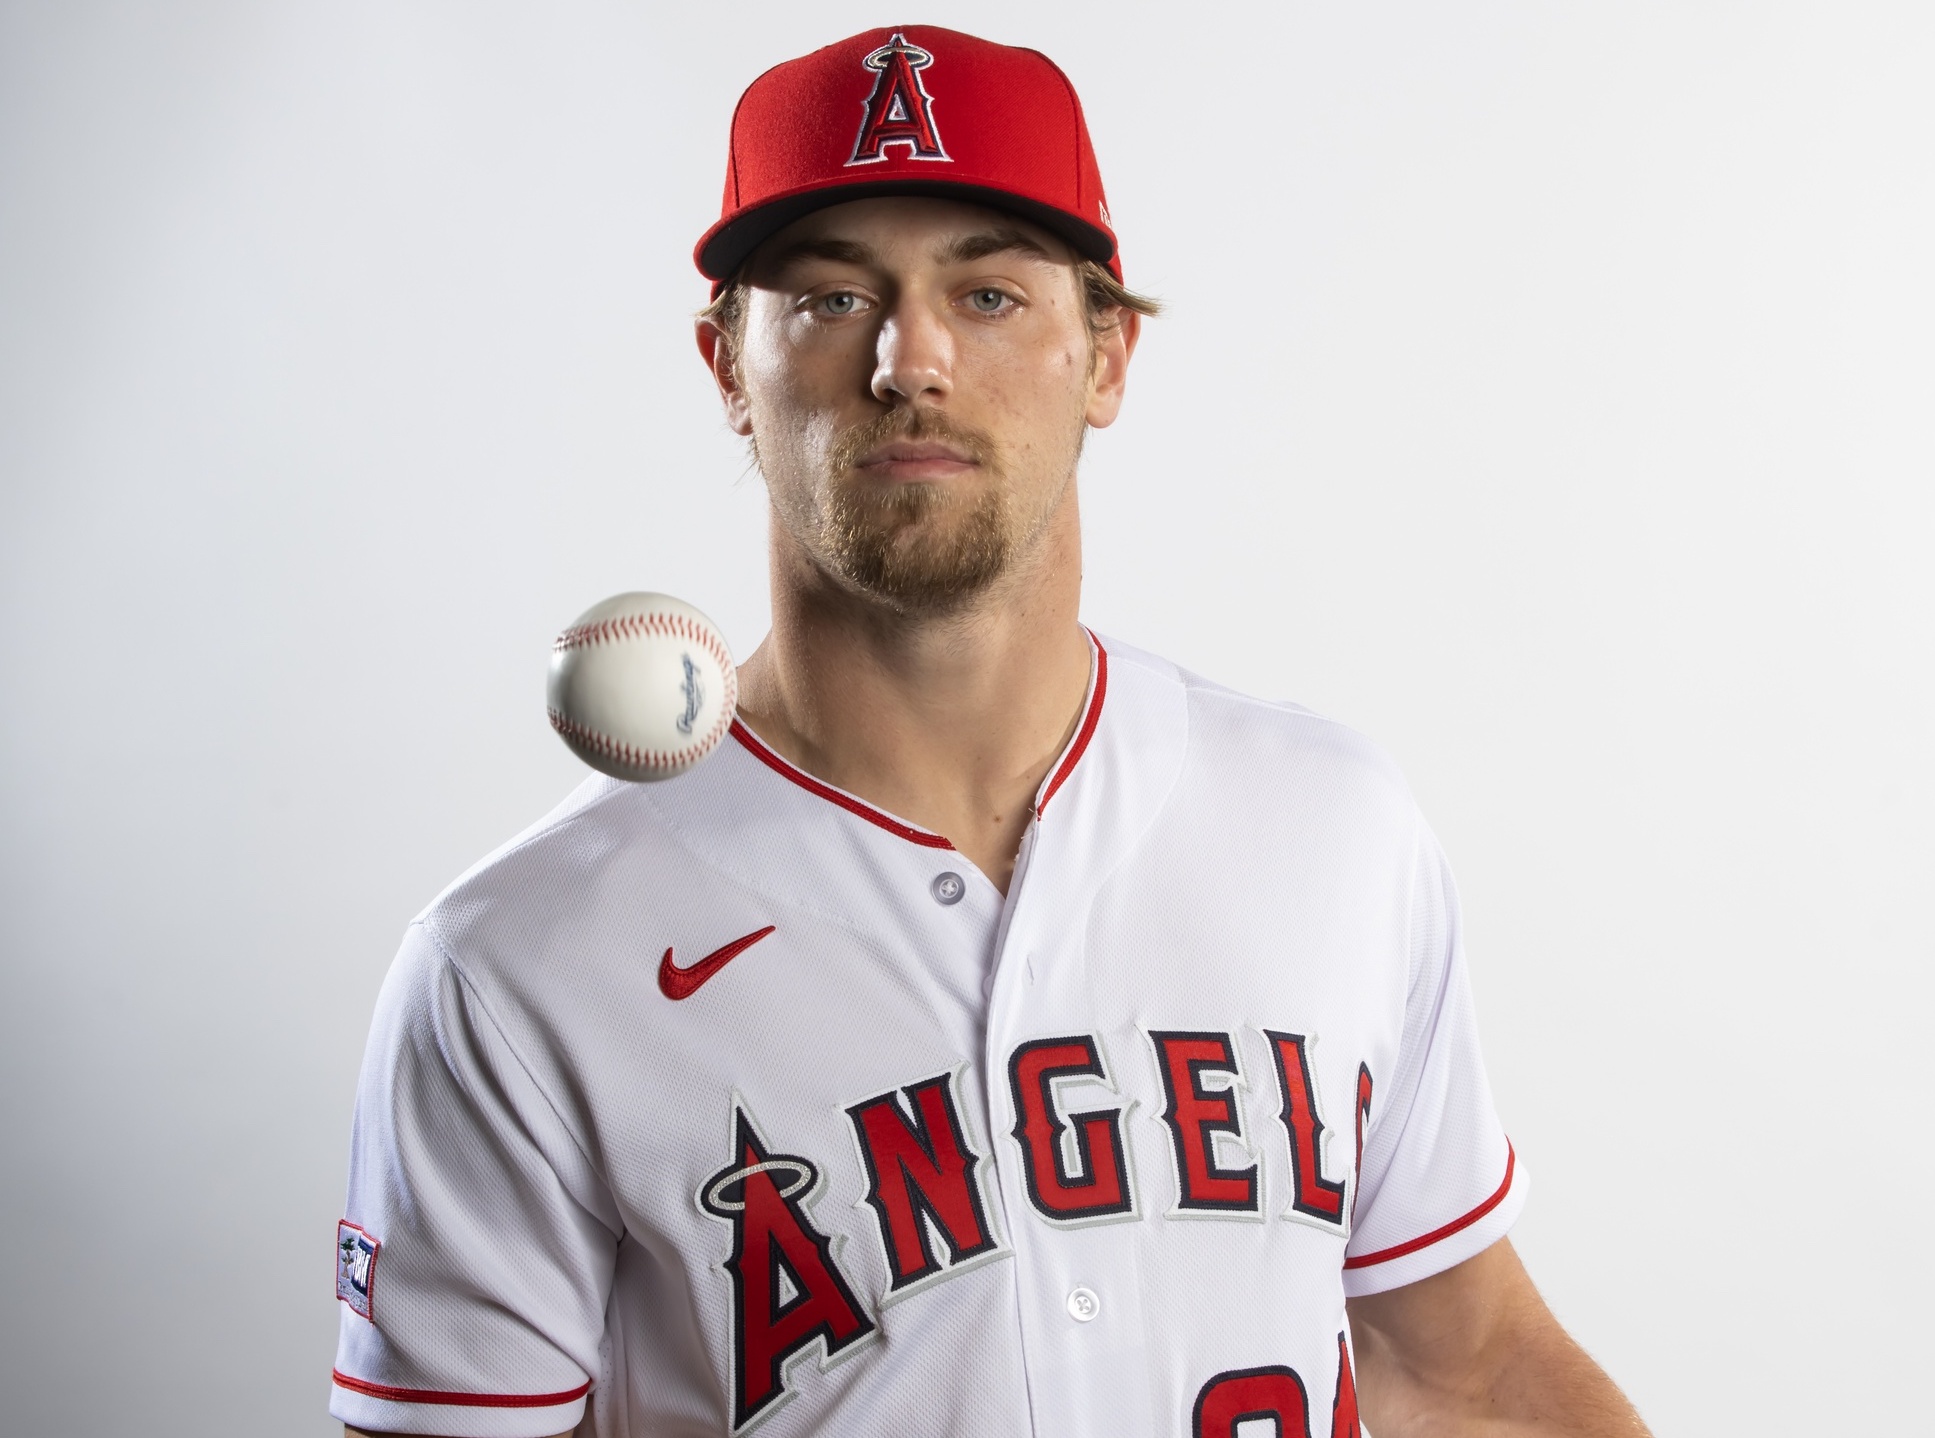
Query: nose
{"x": 913, "y": 357}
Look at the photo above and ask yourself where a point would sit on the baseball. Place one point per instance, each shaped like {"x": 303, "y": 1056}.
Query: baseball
{"x": 642, "y": 687}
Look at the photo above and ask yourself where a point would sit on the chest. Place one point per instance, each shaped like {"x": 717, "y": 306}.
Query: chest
{"x": 1075, "y": 1109}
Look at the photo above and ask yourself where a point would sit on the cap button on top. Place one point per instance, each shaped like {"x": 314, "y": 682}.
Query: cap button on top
{"x": 948, "y": 888}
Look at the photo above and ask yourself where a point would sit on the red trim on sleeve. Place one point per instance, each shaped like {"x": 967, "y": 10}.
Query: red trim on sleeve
{"x": 1087, "y": 731}
{"x": 457, "y": 1400}
{"x": 1385, "y": 1255}
{"x": 757, "y": 747}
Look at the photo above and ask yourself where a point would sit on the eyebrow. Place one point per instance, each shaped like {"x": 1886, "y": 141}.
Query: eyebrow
{"x": 961, "y": 250}
{"x": 968, "y": 248}
{"x": 841, "y": 252}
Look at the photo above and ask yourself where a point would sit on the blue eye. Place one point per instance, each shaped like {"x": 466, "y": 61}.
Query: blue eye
{"x": 841, "y": 303}
{"x": 987, "y": 301}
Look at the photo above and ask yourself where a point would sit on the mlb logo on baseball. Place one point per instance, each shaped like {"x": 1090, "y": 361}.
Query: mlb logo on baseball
{"x": 355, "y": 1266}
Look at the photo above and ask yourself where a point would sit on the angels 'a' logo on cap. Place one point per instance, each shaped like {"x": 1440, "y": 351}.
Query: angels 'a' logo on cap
{"x": 899, "y": 111}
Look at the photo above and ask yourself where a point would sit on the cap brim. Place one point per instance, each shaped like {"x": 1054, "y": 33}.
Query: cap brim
{"x": 728, "y": 244}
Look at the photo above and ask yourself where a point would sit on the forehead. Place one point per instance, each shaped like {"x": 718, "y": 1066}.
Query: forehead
{"x": 906, "y": 232}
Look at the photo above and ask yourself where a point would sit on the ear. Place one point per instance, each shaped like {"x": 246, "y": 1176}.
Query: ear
{"x": 715, "y": 345}
{"x": 1108, "y": 377}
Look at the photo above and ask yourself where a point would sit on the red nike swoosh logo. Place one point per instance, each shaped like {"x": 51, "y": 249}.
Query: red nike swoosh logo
{"x": 677, "y": 983}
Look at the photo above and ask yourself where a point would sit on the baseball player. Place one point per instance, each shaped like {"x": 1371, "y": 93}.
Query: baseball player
{"x": 1005, "y": 1032}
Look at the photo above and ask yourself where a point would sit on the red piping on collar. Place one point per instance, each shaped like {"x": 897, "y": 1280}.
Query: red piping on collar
{"x": 1087, "y": 731}
{"x": 757, "y": 748}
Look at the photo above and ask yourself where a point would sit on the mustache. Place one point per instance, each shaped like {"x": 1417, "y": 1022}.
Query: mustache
{"x": 909, "y": 424}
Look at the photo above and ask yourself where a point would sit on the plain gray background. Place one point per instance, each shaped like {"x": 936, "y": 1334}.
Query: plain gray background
{"x": 1547, "y": 391}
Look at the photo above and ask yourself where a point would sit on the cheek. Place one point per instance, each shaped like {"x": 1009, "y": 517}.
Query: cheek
{"x": 795, "y": 365}
{"x": 793, "y": 399}
{"x": 794, "y": 435}
{"x": 1041, "y": 403}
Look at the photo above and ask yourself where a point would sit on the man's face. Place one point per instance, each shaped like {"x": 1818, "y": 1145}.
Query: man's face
{"x": 916, "y": 376}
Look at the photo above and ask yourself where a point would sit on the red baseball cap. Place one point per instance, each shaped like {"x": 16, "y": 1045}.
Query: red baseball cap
{"x": 909, "y": 110}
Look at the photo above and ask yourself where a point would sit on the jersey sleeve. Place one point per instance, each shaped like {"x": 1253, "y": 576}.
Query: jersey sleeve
{"x": 476, "y": 1256}
{"x": 1438, "y": 1182}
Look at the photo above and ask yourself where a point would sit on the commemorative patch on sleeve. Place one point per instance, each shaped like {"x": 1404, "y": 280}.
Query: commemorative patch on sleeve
{"x": 355, "y": 1266}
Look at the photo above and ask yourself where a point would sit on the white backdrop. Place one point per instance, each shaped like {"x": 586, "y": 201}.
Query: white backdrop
{"x": 1546, "y": 391}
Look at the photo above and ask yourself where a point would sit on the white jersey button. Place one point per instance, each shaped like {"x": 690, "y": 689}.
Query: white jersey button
{"x": 1083, "y": 1304}
{"x": 948, "y": 888}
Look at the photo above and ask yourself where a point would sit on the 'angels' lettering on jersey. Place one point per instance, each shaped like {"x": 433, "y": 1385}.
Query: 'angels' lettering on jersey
{"x": 922, "y": 1181}
{"x": 1196, "y": 1114}
{"x": 789, "y": 1293}
{"x": 1077, "y": 1165}
{"x": 1312, "y": 1196}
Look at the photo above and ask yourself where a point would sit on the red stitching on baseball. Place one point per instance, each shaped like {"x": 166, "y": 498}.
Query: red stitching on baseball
{"x": 630, "y": 626}
{"x": 634, "y": 757}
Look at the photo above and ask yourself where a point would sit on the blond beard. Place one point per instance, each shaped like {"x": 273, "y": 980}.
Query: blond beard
{"x": 921, "y": 548}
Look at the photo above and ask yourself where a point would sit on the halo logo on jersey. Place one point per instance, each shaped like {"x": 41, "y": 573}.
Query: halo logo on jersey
{"x": 899, "y": 111}
{"x": 788, "y": 1294}
{"x": 355, "y": 1266}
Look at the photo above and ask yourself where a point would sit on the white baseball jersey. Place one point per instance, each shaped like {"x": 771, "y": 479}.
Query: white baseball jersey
{"x": 734, "y": 1102}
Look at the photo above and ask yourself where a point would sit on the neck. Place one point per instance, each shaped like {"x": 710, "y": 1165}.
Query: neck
{"x": 950, "y": 722}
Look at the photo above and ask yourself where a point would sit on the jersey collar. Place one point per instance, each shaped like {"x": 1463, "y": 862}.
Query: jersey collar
{"x": 852, "y": 803}
{"x": 1098, "y": 688}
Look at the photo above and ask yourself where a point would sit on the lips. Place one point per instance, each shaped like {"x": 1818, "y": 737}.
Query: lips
{"x": 905, "y": 445}
{"x": 908, "y": 450}
{"x": 915, "y": 460}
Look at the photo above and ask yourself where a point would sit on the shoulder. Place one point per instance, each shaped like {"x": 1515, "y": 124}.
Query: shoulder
{"x": 1255, "y": 751}
{"x": 580, "y": 888}
{"x": 545, "y": 860}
